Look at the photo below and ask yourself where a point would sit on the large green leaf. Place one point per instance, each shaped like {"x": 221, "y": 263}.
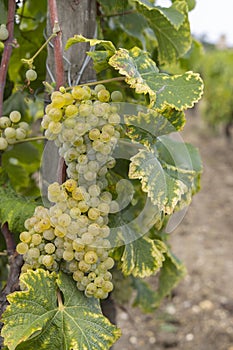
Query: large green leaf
{"x": 114, "y": 6}
{"x": 143, "y": 257}
{"x": 177, "y": 91}
{"x": 20, "y": 162}
{"x": 53, "y": 314}
{"x": 15, "y": 209}
{"x": 171, "y": 27}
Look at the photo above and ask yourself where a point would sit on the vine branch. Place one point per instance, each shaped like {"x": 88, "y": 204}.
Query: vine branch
{"x": 7, "y": 50}
{"x": 58, "y": 57}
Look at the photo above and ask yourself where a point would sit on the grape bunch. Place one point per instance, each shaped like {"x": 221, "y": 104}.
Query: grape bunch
{"x": 73, "y": 233}
{"x": 12, "y": 129}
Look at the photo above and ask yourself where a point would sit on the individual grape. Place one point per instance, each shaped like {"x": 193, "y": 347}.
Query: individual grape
{"x": 83, "y": 266}
{"x": 68, "y": 255}
{"x": 107, "y": 287}
{"x": 90, "y": 289}
{"x": 64, "y": 220}
{"x": 99, "y": 281}
{"x": 103, "y": 95}
{"x": 3, "y": 144}
{"x": 4, "y": 34}
{"x": 73, "y": 266}
{"x": 109, "y": 263}
{"x": 85, "y": 110}
{"x": 71, "y": 111}
{"x": 31, "y": 75}
{"x": 24, "y": 126}
{"x": 55, "y": 127}
{"x": 48, "y": 260}
{"x": 99, "y": 87}
{"x": 58, "y": 101}
{"x": 93, "y": 213}
{"x": 100, "y": 294}
{"x": 49, "y": 248}
{"x": 25, "y": 236}
{"x": 116, "y": 96}
{"x": 20, "y": 134}
{"x": 81, "y": 93}
{"x": 91, "y": 257}
{"x": 33, "y": 253}
{"x": 55, "y": 114}
{"x": 36, "y": 239}
{"x": 114, "y": 118}
{"x": 49, "y": 234}
{"x": 22, "y": 248}
{"x": 5, "y": 122}
{"x": 10, "y": 133}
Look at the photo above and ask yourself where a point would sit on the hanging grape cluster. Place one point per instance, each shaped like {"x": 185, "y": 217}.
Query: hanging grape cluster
{"x": 73, "y": 233}
{"x": 12, "y": 130}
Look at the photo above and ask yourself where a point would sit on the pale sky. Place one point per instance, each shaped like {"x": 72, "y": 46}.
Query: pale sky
{"x": 213, "y": 18}
{"x": 210, "y": 17}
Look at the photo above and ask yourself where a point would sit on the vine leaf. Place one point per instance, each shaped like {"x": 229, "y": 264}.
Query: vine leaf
{"x": 174, "y": 21}
{"x": 170, "y": 275}
{"x": 142, "y": 74}
{"x": 169, "y": 173}
{"x": 142, "y": 257}
{"x": 145, "y": 127}
{"x": 14, "y": 208}
{"x": 163, "y": 190}
{"x": 37, "y": 318}
{"x": 100, "y": 57}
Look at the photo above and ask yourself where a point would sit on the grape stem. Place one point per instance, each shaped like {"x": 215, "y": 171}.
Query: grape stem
{"x": 30, "y": 139}
{"x": 9, "y": 44}
{"x": 30, "y": 61}
{"x": 99, "y": 82}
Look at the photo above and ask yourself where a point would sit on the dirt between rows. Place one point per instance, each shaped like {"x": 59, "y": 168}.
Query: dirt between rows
{"x": 199, "y": 314}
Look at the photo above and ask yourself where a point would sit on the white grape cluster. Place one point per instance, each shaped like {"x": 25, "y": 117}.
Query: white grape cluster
{"x": 73, "y": 234}
{"x": 12, "y": 129}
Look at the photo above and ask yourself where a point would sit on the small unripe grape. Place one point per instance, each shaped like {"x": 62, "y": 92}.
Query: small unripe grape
{"x": 70, "y": 185}
{"x": 93, "y": 213}
{"x": 94, "y": 134}
{"x": 24, "y": 125}
{"x": 103, "y": 95}
{"x": 4, "y": 34}
{"x": 5, "y": 122}
{"x": 100, "y": 294}
{"x": 22, "y": 248}
{"x": 85, "y": 110}
{"x": 31, "y": 74}
{"x": 68, "y": 98}
{"x": 116, "y": 96}
{"x": 3, "y": 144}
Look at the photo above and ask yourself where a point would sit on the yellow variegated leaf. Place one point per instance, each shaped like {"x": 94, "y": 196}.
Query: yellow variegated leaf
{"x": 178, "y": 91}
{"x": 52, "y": 314}
{"x": 143, "y": 257}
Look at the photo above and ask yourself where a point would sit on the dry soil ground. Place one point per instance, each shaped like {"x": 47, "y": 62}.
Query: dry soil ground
{"x": 199, "y": 315}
